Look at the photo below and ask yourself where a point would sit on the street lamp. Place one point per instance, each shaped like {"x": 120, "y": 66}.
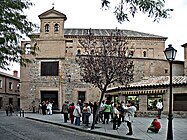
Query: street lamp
{"x": 170, "y": 54}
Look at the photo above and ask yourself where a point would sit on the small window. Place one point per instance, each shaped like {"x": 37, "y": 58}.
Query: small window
{"x": 10, "y": 85}
{"x": 27, "y": 49}
{"x": 166, "y": 71}
{"x": 131, "y": 53}
{"x": 56, "y": 27}
{"x": 1, "y": 84}
{"x": 92, "y": 52}
{"x": 78, "y": 52}
{"x": 46, "y": 27}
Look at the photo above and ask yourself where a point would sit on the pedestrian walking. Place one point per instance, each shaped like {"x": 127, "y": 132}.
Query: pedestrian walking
{"x": 7, "y": 109}
{"x": 71, "y": 109}
{"x": 130, "y": 111}
{"x": 159, "y": 106}
{"x": 77, "y": 114}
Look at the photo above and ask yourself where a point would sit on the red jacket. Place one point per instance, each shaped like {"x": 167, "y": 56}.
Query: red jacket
{"x": 156, "y": 125}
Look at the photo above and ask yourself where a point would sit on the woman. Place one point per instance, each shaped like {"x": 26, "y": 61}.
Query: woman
{"x": 130, "y": 111}
{"x": 107, "y": 111}
{"x": 77, "y": 114}
{"x": 71, "y": 109}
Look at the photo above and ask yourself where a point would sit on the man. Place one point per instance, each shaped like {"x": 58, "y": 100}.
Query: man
{"x": 159, "y": 107}
{"x": 65, "y": 109}
{"x": 130, "y": 110}
{"x": 155, "y": 126}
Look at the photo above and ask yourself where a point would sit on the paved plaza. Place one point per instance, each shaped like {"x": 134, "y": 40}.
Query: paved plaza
{"x": 140, "y": 125}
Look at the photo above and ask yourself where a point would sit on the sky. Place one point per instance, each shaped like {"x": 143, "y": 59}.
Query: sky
{"x": 88, "y": 14}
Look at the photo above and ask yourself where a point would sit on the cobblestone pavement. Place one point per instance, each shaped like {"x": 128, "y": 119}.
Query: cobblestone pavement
{"x": 140, "y": 126}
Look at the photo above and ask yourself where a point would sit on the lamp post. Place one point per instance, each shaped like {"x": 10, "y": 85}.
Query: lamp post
{"x": 170, "y": 54}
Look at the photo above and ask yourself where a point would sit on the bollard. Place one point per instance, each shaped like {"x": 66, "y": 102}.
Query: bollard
{"x": 23, "y": 113}
{"x": 20, "y": 112}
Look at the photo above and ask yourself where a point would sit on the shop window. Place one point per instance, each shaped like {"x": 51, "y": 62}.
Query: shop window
{"x": 152, "y": 101}
{"x": 56, "y": 27}
{"x": 134, "y": 99}
{"x": 49, "y": 68}
{"x": 46, "y": 27}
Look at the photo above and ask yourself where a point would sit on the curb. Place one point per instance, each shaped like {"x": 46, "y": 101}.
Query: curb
{"x": 84, "y": 130}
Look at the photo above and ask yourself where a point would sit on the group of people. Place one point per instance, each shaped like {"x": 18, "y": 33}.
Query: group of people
{"x": 9, "y": 108}
{"x": 108, "y": 111}
{"x": 45, "y": 107}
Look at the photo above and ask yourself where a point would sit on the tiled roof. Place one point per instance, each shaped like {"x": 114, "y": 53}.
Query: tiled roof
{"x": 161, "y": 80}
{"x": 107, "y": 32}
{"x": 156, "y": 81}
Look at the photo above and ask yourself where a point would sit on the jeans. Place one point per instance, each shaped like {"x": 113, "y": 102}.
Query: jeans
{"x": 77, "y": 120}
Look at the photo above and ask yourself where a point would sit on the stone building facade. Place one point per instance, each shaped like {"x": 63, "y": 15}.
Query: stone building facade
{"x": 55, "y": 76}
{"x": 9, "y": 90}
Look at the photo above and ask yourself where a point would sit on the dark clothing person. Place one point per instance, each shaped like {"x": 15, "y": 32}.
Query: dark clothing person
{"x": 11, "y": 109}
{"x": 94, "y": 112}
{"x": 44, "y": 108}
{"x": 65, "y": 110}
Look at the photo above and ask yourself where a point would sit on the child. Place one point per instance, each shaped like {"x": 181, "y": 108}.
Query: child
{"x": 115, "y": 117}
{"x": 155, "y": 126}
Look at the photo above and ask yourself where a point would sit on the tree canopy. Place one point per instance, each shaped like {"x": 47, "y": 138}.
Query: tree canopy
{"x": 105, "y": 61}
{"x": 153, "y": 8}
{"x": 13, "y": 25}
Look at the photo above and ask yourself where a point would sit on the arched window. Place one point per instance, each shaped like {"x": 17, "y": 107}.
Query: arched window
{"x": 56, "y": 27}
{"x": 92, "y": 52}
{"x": 78, "y": 52}
{"x": 144, "y": 54}
{"x": 27, "y": 48}
{"x": 46, "y": 27}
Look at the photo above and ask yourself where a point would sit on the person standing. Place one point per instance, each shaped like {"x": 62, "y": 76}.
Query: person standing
{"x": 7, "y": 108}
{"x": 65, "y": 109}
{"x": 49, "y": 108}
{"x": 71, "y": 109}
{"x": 86, "y": 112}
{"x": 11, "y": 109}
{"x": 159, "y": 106}
{"x": 130, "y": 111}
{"x": 115, "y": 117}
{"x": 107, "y": 111}
{"x": 44, "y": 108}
{"x": 95, "y": 116}
{"x": 77, "y": 114}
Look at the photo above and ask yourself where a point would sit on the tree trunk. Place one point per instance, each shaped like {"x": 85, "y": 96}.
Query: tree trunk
{"x": 96, "y": 113}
